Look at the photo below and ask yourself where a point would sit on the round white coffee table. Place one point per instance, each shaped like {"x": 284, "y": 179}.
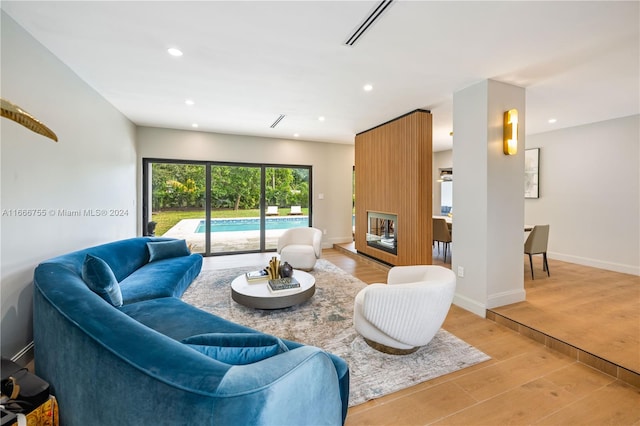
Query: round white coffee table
{"x": 257, "y": 294}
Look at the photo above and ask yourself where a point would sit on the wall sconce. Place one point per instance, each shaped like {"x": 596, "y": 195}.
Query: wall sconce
{"x": 22, "y": 117}
{"x": 510, "y": 132}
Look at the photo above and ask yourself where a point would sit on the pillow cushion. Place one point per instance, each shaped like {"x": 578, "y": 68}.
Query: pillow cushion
{"x": 236, "y": 348}
{"x": 159, "y": 250}
{"x": 101, "y": 280}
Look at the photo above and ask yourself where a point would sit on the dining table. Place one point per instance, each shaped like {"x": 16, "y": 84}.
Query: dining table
{"x": 449, "y": 220}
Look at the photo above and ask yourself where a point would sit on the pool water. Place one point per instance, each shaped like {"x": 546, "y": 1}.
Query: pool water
{"x": 252, "y": 224}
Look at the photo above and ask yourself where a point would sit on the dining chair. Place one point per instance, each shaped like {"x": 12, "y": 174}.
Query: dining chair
{"x": 441, "y": 234}
{"x": 536, "y": 243}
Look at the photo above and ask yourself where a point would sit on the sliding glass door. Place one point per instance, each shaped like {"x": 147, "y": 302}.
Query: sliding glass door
{"x": 176, "y": 194}
{"x": 223, "y": 208}
{"x": 235, "y": 208}
{"x": 287, "y": 199}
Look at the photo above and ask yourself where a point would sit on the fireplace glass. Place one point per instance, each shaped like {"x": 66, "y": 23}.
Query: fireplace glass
{"x": 381, "y": 231}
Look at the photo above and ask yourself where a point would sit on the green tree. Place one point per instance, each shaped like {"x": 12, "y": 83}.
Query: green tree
{"x": 235, "y": 187}
{"x": 183, "y": 186}
{"x": 177, "y": 185}
{"x": 278, "y": 186}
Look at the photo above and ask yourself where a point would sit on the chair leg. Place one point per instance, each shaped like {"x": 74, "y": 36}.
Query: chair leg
{"x": 531, "y": 264}
{"x": 546, "y": 263}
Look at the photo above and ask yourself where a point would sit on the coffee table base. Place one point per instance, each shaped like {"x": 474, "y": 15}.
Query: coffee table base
{"x": 258, "y": 296}
{"x": 280, "y": 302}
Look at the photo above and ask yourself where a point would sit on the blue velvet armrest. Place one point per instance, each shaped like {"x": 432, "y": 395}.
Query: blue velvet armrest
{"x": 297, "y": 387}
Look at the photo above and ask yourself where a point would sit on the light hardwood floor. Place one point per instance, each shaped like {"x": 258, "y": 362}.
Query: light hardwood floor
{"x": 525, "y": 382}
{"x": 589, "y": 312}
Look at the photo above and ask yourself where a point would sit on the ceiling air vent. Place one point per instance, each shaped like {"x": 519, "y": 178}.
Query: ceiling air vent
{"x": 369, "y": 20}
{"x": 278, "y": 120}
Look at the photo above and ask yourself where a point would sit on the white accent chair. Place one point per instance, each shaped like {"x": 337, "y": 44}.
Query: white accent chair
{"x": 301, "y": 247}
{"x": 401, "y": 316}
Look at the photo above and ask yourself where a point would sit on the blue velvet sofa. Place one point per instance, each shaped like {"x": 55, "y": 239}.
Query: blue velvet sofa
{"x": 130, "y": 352}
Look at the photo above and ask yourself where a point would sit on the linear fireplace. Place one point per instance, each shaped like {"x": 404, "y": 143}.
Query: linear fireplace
{"x": 381, "y": 231}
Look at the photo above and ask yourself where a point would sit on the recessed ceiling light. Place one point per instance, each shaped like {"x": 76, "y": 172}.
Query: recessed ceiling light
{"x": 174, "y": 52}
{"x": 368, "y": 87}
{"x": 189, "y": 102}
{"x": 321, "y": 118}
{"x": 194, "y": 125}
{"x": 296, "y": 135}
{"x": 552, "y": 120}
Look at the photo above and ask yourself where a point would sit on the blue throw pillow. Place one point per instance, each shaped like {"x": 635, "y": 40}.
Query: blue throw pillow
{"x": 167, "y": 249}
{"x": 100, "y": 279}
{"x": 236, "y": 348}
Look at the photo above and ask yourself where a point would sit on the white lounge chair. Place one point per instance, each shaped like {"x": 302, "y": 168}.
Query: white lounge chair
{"x": 401, "y": 316}
{"x": 296, "y": 210}
{"x": 300, "y": 247}
{"x": 272, "y": 211}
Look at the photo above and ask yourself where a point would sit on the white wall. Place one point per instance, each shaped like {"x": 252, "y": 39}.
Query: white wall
{"x": 487, "y": 198}
{"x": 588, "y": 177}
{"x": 441, "y": 160}
{"x": 589, "y": 193}
{"x": 332, "y": 166}
{"x": 93, "y": 166}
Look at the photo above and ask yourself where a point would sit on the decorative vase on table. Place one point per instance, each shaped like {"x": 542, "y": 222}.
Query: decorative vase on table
{"x": 273, "y": 269}
{"x": 286, "y": 270}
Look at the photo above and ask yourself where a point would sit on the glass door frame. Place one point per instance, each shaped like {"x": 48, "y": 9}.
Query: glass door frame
{"x": 147, "y": 194}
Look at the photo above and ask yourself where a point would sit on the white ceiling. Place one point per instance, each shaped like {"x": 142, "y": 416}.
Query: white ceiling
{"x": 245, "y": 62}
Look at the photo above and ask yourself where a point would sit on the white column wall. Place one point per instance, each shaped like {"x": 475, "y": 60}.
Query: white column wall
{"x": 505, "y": 202}
{"x": 470, "y": 110}
{"x": 488, "y": 198}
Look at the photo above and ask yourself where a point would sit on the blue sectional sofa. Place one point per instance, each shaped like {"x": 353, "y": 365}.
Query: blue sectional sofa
{"x": 119, "y": 347}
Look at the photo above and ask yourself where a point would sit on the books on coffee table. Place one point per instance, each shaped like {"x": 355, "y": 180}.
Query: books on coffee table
{"x": 257, "y": 276}
{"x": 281, "y": 284}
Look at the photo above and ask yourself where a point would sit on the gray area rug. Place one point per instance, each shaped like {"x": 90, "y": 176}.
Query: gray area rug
{"x": 326, "y": 321}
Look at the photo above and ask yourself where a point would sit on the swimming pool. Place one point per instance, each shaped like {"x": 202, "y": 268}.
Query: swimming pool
{"x": 252, "y": 224}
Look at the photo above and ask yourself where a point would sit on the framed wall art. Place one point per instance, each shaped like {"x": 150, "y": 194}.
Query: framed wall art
{"x": 531, "y": 173}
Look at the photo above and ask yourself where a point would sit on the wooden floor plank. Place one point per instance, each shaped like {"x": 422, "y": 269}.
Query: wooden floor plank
{"x": 592, "y": 309}
{"x": 525, "y": 382}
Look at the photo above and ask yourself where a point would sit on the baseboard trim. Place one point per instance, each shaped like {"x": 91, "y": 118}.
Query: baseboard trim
{"x": 506, "y": 298}
{"x": 332, "y": 242}
{"x": 470, "y": 305}
{"x": 595, "y": 263}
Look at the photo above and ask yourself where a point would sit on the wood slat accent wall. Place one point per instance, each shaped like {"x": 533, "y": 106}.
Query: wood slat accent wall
{"x": 393, "y": 175}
